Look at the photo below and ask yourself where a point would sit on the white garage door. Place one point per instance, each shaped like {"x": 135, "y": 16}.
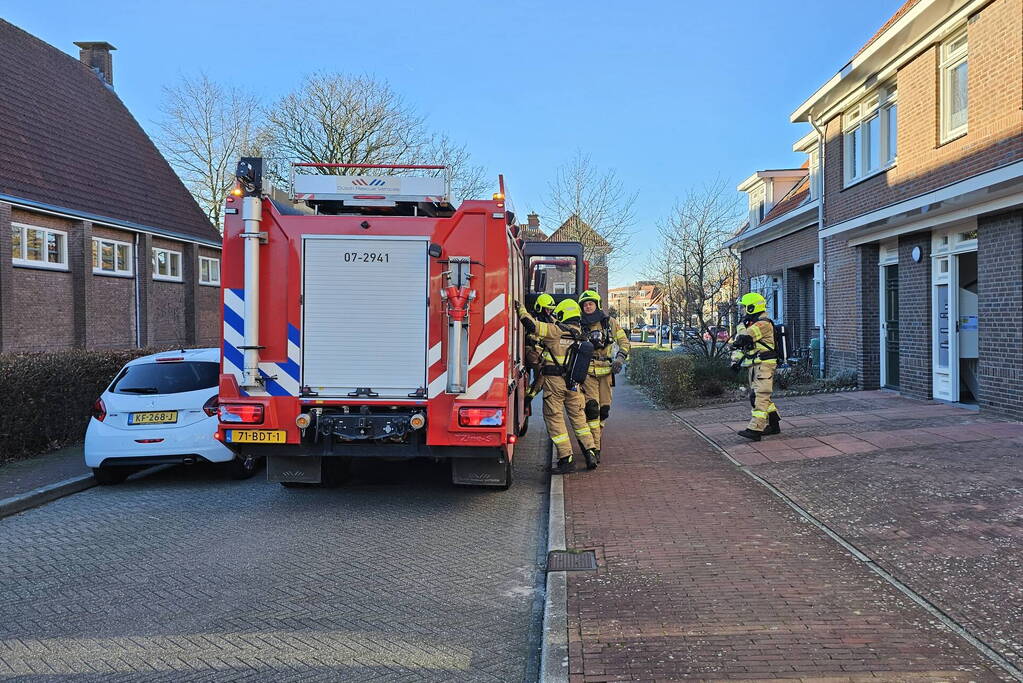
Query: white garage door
{"x": 364, "y": 315}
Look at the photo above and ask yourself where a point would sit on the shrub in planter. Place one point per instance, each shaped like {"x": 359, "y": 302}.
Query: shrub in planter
{"x": 48, "y": 397}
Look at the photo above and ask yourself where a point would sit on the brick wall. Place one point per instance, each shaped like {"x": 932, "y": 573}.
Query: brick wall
{"x": 208, "y": 306}
{"x": 852, "y": 300}
{"x": 915, "y": 317}
{"x": 995, "y": 134}
{"x": 40, "y": 301}
{"x": 1000, "y": 270}
{"x": 111, "y": 319}
{"x": 44, "y": 310}
{"x": 167, "y": 305}
{"x": 790, "y": 251}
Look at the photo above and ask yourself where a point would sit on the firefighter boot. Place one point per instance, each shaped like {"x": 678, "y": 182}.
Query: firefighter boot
{"x": 750, "y": 434}
{"x": 564, "y": 466}
{"x": 592, "y": 458}
{"x": 773, "y": 424}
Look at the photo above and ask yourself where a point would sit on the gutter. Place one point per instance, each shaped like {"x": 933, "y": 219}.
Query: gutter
{"x": 778, "y": 222}
{"x": 103, "y": 220}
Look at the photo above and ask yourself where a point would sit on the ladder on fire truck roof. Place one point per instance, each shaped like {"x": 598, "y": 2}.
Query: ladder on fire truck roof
{"x": 370, "y": 190}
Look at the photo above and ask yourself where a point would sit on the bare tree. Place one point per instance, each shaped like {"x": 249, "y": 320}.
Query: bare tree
{"x": 581, "y": 196}
{"x": 664, "y": 266}
{"x": 698, "y": 226}
{"x": 335, "y": 118}
{"x": 204, "y": 129}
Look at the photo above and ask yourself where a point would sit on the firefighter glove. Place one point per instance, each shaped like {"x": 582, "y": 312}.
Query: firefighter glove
{"x": 616, "y": 366}
{"x": 743, "y": 341}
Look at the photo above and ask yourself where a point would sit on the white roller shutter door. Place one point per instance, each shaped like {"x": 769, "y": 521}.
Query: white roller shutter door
{"x": 364, "y": 315}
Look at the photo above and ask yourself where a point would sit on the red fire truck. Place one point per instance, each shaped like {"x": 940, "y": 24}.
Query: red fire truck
{"x": 365, "y": 316}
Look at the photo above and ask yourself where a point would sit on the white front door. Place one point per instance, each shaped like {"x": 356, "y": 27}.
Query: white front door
{"x": 945, "y": 341}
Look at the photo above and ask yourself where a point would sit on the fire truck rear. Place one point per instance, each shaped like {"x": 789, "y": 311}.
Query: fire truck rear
{"x": 365, "y": 316}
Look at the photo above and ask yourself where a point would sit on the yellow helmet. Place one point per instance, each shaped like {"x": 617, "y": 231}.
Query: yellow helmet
{"x": 753, "y": 303}
{"x": 590, "y": 295}
{"x": 567, "y": 310}
{"x": 544, "y": 302}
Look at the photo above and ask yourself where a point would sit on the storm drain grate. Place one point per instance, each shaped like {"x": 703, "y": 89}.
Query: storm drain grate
{"x": 571, "y": 560}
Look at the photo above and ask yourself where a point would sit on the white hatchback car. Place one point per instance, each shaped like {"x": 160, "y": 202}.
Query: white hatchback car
{"x": 159, "y": 409}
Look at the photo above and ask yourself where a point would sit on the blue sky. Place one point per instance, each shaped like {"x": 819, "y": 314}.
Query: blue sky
{"x": 670, "y": 94}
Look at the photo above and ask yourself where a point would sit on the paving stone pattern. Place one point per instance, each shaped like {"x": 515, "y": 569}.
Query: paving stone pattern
{"x": 22, "y": 476}
{"x": 704, "y": 574}
{"x": 396, "y": 576}
{"x": 940, "y": 505}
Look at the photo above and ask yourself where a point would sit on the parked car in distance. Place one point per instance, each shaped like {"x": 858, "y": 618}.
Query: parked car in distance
{"x": 159, "y": 409}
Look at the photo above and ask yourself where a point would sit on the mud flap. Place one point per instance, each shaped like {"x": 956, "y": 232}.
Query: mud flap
{"x": 299, "y": 469}
{"x": 492, "y": 471}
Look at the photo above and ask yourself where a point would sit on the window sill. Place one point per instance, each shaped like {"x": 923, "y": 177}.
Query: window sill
{"x": 880, "y": 171}
{"x": 40, "y": 265}
{"x": 166, "y": 278}
{"x": 952, "y": 137}
{"x": 209, "y": 284}
{"x": 107, "y": 273}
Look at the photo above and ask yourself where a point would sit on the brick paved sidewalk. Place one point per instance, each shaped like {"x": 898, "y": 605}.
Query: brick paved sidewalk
{"x": 22, "y": 476}
{"x": 931, "y": 492}
{"x": 704, "y": 574}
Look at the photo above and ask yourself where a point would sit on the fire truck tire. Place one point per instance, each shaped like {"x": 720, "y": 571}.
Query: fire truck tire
{"x": 243, "y": 468}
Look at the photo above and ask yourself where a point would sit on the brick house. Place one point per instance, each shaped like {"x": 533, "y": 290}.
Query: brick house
{"x": 778, "y": 244}
{"x": 921, "y": 142}
{"x": 103, "y": 247}
{"x": 632, "y": 301}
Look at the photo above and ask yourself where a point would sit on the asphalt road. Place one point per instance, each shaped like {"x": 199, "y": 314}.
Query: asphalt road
{"x": 187, "y": 575}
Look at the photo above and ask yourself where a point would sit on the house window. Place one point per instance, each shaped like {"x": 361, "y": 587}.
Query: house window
{"x": 757, "y": 200}
{"x": 110, "y": 257}
{"x": 209, "y": 271}
{"x": 38, "y": 247}
{"x": 870, "y": 131}
{"x": 166, "y": 265}
{"x": 954, "y": 91}
{"x": 560, "y": 287}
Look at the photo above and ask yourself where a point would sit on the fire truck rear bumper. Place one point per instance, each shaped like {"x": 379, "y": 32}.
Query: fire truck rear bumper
{"x": 472, "y": 465}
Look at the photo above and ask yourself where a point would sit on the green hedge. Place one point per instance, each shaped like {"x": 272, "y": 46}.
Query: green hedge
{"x": 48, "y": 396}
{"x": 677, "y": 379}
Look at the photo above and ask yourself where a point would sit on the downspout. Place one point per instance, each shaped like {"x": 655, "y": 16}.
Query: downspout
{"x": 138, "y": 294}
{"x": 252, "y": 215}
{"x": 820, "y": 240}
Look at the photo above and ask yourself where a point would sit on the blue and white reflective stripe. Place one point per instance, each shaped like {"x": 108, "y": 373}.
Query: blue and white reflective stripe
{"x": 281, "y": 379}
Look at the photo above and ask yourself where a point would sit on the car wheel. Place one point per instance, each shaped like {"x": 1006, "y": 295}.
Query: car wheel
{"x": 107, "y": 476}
{"x": 243, "y": 468}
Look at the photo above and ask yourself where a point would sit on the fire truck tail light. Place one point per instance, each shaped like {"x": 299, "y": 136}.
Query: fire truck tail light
{"x": 480, "y": 417}
{"x": 244, "y": 413}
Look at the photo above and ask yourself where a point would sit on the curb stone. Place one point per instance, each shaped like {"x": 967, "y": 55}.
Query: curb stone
{"x": 554, "y": 653}
{"x": 51, "y": 492}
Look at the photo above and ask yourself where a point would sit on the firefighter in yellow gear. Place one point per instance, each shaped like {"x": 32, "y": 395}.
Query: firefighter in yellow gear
{"x": 543, "y": 308}
{"x": 604, "y": 332}
{"x": 754, "y": 348}
{"x": 559, "y": 396}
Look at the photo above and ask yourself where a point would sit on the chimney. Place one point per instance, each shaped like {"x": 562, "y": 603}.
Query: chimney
{"x": 96, "y": 56}
{"x": 533, "y": 221}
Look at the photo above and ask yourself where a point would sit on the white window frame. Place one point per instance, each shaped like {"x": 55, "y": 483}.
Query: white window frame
{"x": 757, "y": 205}
{"x": 813, "y": 162}
{"x": 875, "y": 108}
{"x": 97, "y": 245}
{"x": 170, "y": 252}
{"x": 950, "y": 59}
{"x": 23, "y": 260}
{"x": 209, "y": 281}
